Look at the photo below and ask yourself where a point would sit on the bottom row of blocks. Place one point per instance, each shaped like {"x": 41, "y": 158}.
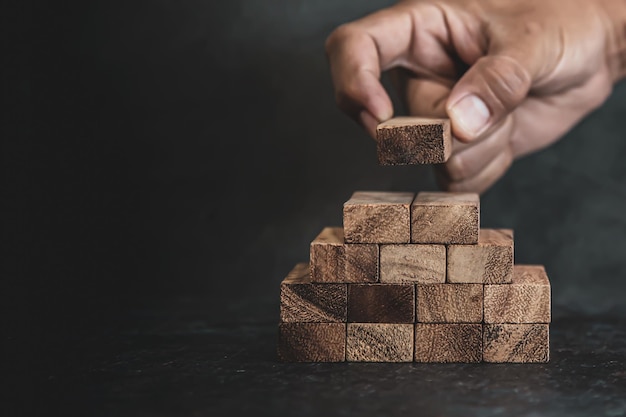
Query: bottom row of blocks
{"x": 376, "y": 342}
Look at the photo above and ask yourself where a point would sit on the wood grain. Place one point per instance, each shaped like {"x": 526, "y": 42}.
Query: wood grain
{"x": 312, "y": 342}
{"x": 413, "y": 140}
{"x": 445, "y": 218}
{"x": 369, "y": 342}
{"x": 516, "y": 343}
{"x": 327, "y": 256}
{"x": 450, "y": 303}
{"x": 423, "y": 264}
{"x": 361, "y": 262}
{"x": 303, "y": 301}
{"x": 448, "y": 343}
{"x": 377, "y": 217}
{"x": 489, "y": 262}
{"x": 525, "y": 300}
{"x": 381, "y": 303}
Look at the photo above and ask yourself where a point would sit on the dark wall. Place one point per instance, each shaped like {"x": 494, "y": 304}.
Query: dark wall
{"x": 194, "y": 148}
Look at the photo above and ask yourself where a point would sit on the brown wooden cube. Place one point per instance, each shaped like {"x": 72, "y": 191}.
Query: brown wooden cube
{"x": 413, "y": 140}
{"x": 327, "y": 256}
{"x": 376, "y": 342}
{"x": 377, "y": 217}
{"x": 423, "y": 264}
{"x": 525, "y": 300}
{"x": 489, "y": 262}
{"x": 361, "y": 262}
{"x": 303, "y": 301}
{"x": 516, "y": 343}
{"x": 381, "y": 303}
{"x": 448, "y": 343}
{"x": 445, "y": 218}
{"x": 450, "y": 303}
{"x": 312, "y": 342}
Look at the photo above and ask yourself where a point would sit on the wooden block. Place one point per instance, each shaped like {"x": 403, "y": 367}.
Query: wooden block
{"x": 516, "y": 343}
{"x": 368, "y": 342}
{"x": 489, "y": 262}
{"x": 381, "y": 303}
{"x": 377, "y": 217}
{"x": 312, "y": 342}
{"x": 302, "y": 301}
{"x": 445, "y": 218}
{"x": 413, "y": 140}
{"x": 361, "y": 262}
{"x": 423, "y": 264}
{"x": 450, "y": 303}
{"x": 334, "y": 261}
{"x": 327, "y": 256}
{"x": 448, "y": 343}
{"x": 525, "y": 300}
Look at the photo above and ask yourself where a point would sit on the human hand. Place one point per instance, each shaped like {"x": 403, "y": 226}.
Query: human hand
{"x": 512, "y": 76}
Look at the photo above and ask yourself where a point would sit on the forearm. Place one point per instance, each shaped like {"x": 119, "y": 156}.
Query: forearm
{"x": 614, "y": 13}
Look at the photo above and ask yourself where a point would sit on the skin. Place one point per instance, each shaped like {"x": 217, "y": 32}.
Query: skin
{"x": 512, "y": 76}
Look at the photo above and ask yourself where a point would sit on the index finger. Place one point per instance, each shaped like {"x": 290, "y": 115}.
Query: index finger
{"x": 408, "y": 35}
{"x": 359, "y": 51}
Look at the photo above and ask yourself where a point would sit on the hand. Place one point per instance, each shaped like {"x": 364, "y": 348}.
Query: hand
{"x": 513, "y": 76}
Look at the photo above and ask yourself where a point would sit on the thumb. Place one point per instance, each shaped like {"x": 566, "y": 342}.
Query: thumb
{"x": 492, "y": 88}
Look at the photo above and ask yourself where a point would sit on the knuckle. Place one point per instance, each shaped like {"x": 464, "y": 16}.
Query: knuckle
{"x": 507, "y": 80}
{"x": 338, "y": 37}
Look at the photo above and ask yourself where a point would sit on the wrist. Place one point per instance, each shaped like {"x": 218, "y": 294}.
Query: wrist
{"x": 614, "y": 14}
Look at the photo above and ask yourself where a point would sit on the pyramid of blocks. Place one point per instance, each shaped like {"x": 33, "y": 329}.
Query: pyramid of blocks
{"x": 413, "y": 278}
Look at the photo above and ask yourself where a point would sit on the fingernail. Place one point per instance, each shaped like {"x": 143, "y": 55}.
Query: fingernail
{"x": 381, "y": 112}
{"x": 470, "y": 114}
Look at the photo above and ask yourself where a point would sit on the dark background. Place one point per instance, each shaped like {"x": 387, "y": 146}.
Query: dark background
{"x": 165, "y": 163}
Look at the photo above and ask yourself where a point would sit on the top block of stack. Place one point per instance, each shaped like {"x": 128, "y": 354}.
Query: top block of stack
{"x": 413, "y": 140}
{"x": 378, "y": 217}
{"x": 429, "y": 218}
{"x": 445, "y": 218}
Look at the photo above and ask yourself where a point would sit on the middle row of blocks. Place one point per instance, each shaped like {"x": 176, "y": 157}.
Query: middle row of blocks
{"x": 525, "y": 300}
{"x": 490, "y": 261}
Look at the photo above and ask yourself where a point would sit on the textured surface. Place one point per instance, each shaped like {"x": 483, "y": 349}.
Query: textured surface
{"x": 516, "y": 343}
{"x": 448, "y": 343}
{"x": 381, "y": 303}
{"x": 447, "y": 218}
{"x": 526, "y": 300}
{"x": 377, "y": 217}
{"x": 450, "y": 303}
{"x": 327, "y": 256}
{"x": 183, "y": 356}
{"x": 367, "y": 342}
{"x": 312, "y": 342}
{"x": 424, "y": 264}
{"x": 302, "y": 301}
{"x": 489, "y": 262}
{"x": 361, "y": 262}
{"x": 413, "y": 140}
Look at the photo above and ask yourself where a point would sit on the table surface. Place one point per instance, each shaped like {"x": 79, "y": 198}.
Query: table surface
{"x": 176, "y": 358}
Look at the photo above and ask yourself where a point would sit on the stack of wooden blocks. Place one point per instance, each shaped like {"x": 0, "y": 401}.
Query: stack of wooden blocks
{"x": 414, "y": 278}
